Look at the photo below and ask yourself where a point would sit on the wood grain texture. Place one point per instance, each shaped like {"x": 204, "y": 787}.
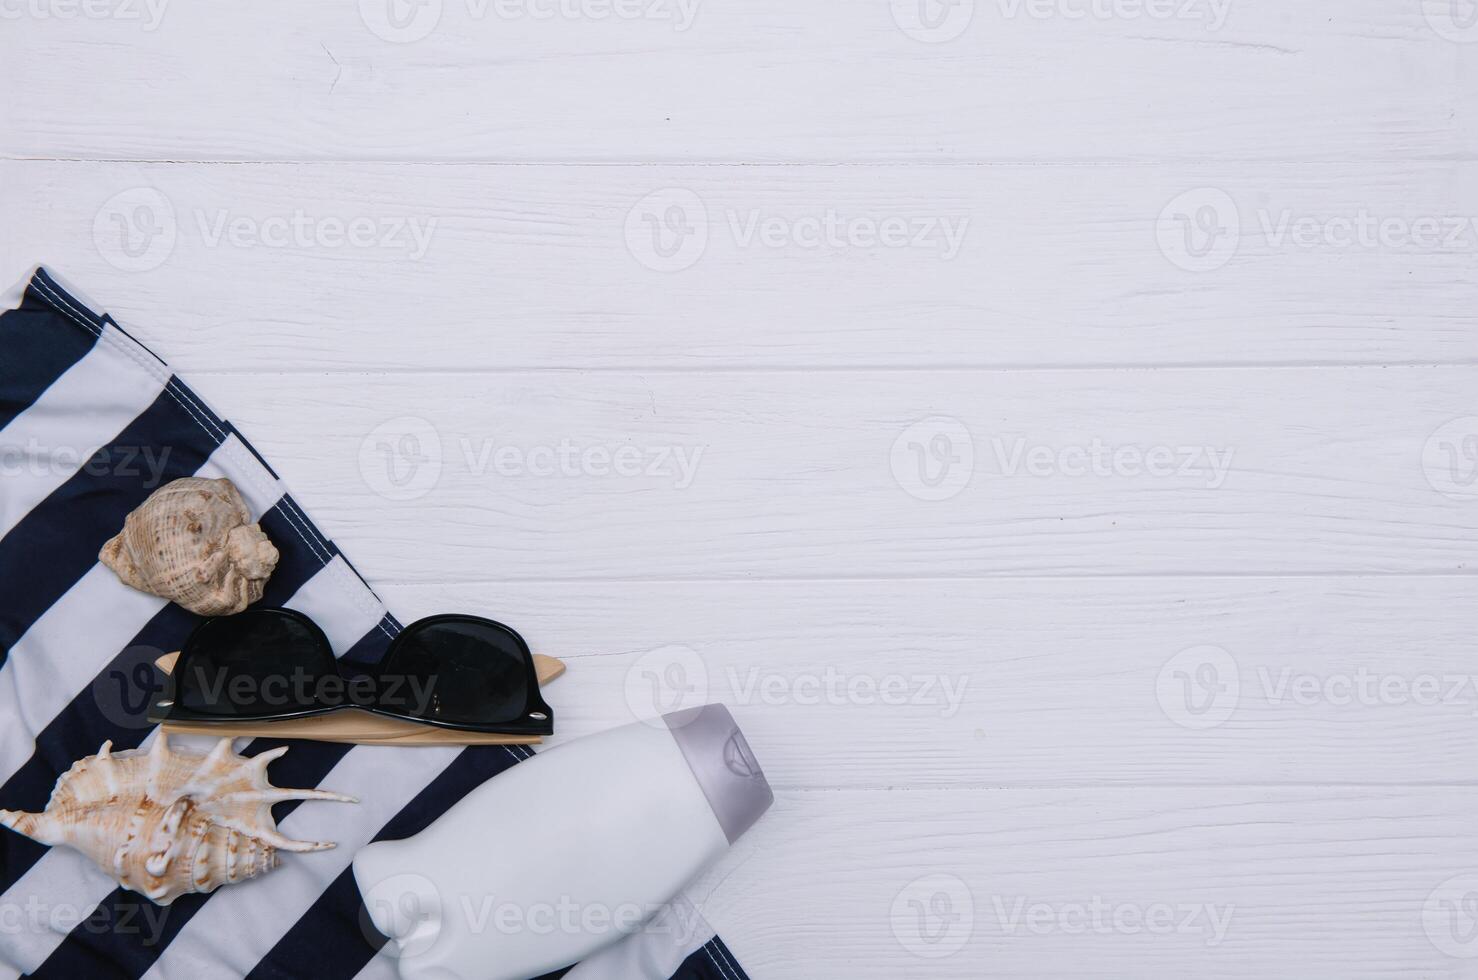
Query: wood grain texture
{"x": 1245, "y": 695}
{"x": 800, "y": 475}
{"x": 472, "y": 267}
{"x": 1328, "y": 80}
{"x": 1021, "y": 683}
{"x": 1308, "y": 882}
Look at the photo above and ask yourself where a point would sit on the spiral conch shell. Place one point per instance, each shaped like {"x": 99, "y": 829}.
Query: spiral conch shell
{"x": 167, "y": 823}
{"x": 193, "y": 542}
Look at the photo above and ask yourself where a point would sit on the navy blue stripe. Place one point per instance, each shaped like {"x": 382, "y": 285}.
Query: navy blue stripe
{"x": 295, "y": 560}
{"x": 325, "y": 548}
{"x": 332, "y": 939}
{"x": 700, "y": 965}
{"x": 110, "y": 935}
{"x": 370, "y": 650}
{"x": 55, "y": 544}
{"x": 217, "y": 426}
{"x": 115, "y": 705}
{"x": 38, "y": 345}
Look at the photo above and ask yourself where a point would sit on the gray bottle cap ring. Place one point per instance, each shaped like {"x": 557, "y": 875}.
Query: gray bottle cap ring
{"x": 723, "y": 765}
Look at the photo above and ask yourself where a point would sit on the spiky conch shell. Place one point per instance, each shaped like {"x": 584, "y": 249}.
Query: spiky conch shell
{"x": 165, "y": 823}
{"x": 193, "y": 542}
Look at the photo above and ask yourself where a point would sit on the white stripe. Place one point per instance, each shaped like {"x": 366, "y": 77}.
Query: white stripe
{"x": 12, "y": 297}
{"x": 65, "y": 880}
{"x": 346, "y": 612}
{"x": 67, "y": 647}
{"x": 82, "y": 412}
{"x": 654, "y": 953}
{"x": 258, "y": 487}
{"x": 257, "y": 914}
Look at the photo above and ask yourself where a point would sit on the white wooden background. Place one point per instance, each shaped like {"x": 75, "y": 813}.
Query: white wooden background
{"x": 1212, "y": 724}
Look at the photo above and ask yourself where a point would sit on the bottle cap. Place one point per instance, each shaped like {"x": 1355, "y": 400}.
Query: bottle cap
{"x": 724, "y": 766}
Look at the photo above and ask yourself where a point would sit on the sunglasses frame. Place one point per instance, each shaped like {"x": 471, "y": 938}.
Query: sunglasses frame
{"x": 536, "y": 717}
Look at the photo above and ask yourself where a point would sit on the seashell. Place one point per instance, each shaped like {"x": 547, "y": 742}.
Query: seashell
{"x": 193, "y": 542}
{"x": 166, "y": 823}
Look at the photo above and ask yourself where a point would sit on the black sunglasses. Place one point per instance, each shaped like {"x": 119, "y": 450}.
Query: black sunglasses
{"x": 268, "y": 664}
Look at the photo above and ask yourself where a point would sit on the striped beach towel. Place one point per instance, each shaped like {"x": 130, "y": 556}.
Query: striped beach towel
{"x": 91, "y": 422}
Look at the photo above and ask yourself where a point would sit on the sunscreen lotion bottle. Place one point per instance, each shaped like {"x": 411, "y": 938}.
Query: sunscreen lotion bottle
{"x": 565, "y": 853}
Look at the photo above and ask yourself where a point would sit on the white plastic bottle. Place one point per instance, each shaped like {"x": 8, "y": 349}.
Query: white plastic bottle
{"x": 566, "y": 852}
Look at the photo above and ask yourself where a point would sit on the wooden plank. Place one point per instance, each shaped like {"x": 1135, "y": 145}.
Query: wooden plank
{"x": 567, "y": 475}
{"x": 749, "y": 81}
{"x": 1262, "y": 882}
{"x": 471, "y": 267}
{"x": 1035, "y": 683}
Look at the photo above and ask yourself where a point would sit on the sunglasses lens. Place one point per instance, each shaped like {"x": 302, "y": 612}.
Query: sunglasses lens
{"x": 256, "y": 664}
{"x": 458, "y": 671}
